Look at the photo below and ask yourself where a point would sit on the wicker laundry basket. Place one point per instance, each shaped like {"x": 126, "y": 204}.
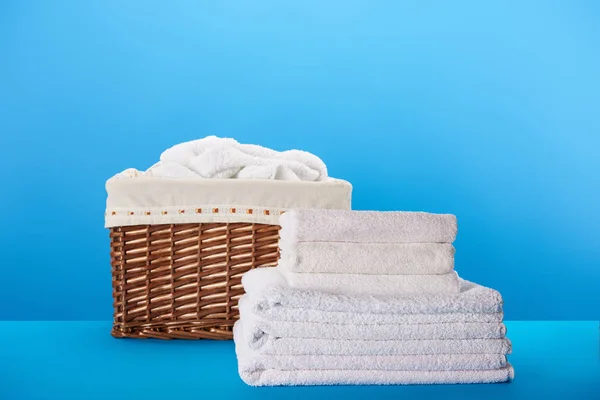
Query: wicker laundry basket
{"x": 179, "y": 248}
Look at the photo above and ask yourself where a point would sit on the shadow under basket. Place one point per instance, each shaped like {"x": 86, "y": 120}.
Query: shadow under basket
{"x": 183, "y": 281}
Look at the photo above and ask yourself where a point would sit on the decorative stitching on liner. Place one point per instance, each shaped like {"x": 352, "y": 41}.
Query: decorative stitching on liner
{"x": 196, "y": 210}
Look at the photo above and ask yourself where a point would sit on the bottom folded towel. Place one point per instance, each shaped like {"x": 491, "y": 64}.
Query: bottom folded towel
{"x": 272, "y": 377}
{"x": 288, "y": 370}
{"x": 251, "y": 361}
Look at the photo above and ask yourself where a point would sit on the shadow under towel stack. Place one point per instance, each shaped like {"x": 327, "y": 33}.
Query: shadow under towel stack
{"x": 363, "y": 297}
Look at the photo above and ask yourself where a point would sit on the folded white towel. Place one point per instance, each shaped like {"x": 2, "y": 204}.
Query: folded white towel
{"x": 268, "y": 344}
{"x": 368, "y": 258}
{"x": 252, "y": 362}
{"x": 213, "y": 157}
{"x": 271, "y": 291}
{"x": 257, "y": 305}
{"x": 361, "y": 284}
{"x": 305, "y": 377}
{"x": 261, "y": 328}
{"x": 256, "y": 369}
{"x": 366, "y": 227}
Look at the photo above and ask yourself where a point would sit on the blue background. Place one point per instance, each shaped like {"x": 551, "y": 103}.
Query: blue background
{"x": 78, "y": 360}
{"x": 488, "y": 110}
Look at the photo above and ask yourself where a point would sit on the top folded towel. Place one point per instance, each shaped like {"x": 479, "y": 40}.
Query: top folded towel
{"x": 366, "y": 227}
{"x": 368, "y": 258}
{"x": 225, "y": 158}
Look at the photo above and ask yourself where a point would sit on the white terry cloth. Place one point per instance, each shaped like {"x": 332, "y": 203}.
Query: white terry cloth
{"x": 267, "y": 344}
{"x": 257, "y": 305}
{"x": 305, "y": 225}
{"x": 262, "y": 328}
{"x": 253, "y": 367}
{"x": 271, "y": 291}
{"x": 368, "y": 258}
{"x": 361, "y": 284}
{"x": 225, "y": 158}
{"x": 306, "y": 377}
{"x": 251, "y": 361}
{"x": 367, "y": 329}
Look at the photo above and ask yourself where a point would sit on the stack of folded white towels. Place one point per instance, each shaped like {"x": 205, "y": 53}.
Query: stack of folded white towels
{"x": 363, "y": 297}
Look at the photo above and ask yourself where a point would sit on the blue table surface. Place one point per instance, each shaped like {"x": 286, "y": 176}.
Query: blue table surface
{"x": 80, "y": 360}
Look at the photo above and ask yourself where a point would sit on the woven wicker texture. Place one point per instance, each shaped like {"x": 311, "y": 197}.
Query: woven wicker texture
{"x": 183, "y": 281}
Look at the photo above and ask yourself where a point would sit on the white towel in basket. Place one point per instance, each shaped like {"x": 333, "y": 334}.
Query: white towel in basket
{"x": 225, "y": 158}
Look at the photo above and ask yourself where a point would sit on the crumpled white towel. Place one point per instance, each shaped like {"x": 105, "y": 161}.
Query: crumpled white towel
{"x": 288, "y": 322}
{"x": 309, "y": 225}
{"x": 368, "y": 258}
{"x": 225, "y": 158}
{"x": 267, "y": 344}
{"x": 271, "y": 292}
{"x": 361, "y": 284}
